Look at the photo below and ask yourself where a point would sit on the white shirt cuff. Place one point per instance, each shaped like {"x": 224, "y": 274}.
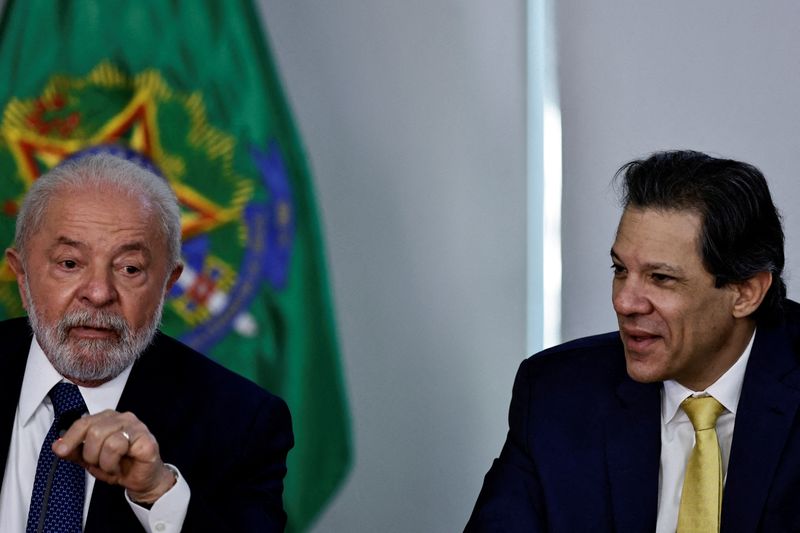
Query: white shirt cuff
{"x": 169, "y": 511}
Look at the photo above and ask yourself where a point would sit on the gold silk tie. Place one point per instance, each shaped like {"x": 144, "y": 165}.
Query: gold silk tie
{"x": 701, "y": 500}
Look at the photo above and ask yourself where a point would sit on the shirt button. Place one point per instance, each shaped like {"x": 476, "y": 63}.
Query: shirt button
{"x": 160, "y": 526}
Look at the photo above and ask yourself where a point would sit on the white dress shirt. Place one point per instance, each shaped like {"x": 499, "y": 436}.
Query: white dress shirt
{"x": 33, "y": 419}
{"x": 677, "y": 435}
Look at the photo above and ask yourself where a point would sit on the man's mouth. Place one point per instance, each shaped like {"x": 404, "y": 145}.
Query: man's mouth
{"x": 92, "y": 332}
{"x": 638, "y": 340}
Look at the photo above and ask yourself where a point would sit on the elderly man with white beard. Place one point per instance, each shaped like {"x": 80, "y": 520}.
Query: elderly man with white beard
{"x": 105, "y": 423}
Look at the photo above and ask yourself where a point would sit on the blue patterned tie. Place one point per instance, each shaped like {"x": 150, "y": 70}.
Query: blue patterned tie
{"x": 63, "y": 504}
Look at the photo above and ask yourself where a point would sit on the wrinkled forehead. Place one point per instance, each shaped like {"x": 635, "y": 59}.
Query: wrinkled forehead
{"x": 110, "y": 191}
{"x": 109, "y": 207}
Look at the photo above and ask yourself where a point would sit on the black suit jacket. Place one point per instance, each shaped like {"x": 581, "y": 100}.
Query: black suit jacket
{"x": 227, "y": 436}
{"x": 584, "y": 443}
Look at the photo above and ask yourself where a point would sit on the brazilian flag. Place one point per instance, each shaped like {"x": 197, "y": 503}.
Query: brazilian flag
{"x": 189, "y": 88}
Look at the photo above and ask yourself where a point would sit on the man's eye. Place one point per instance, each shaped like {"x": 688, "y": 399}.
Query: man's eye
{"x": 69, "y": 264}
{"x": 618, "y": 269}
{"x": 130, "y": 269}
{"x": 662, "y": 277}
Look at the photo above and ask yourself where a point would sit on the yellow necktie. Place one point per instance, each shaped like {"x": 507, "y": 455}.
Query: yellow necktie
{"x": 701, "y": 500}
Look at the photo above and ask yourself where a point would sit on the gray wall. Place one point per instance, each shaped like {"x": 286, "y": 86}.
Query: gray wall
{"x": 413, "y": 116}
{"x": 637, "y": 76}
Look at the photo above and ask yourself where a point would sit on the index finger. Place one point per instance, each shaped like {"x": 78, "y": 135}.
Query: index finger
{"x": 71, "y": 437}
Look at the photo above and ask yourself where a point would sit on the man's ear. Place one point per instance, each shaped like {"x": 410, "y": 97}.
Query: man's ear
{"x": 17, "y": 267}
{"x": 173, "y": 276}
{"x": 750, "y": 294}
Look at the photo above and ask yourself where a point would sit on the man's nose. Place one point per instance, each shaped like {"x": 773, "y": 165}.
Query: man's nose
{"x": 98, "y": 288}
{"x": 629, "y": 298}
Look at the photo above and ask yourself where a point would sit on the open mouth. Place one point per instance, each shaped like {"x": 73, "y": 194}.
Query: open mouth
{"x": 640, "y": 341}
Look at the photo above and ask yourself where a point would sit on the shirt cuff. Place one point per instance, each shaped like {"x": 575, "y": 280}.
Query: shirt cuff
{"x": 169, "y": 511}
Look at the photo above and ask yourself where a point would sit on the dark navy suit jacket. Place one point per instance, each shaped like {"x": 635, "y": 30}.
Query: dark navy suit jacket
{"x": 228, "y": 437}
{"x": 584, "y": 443}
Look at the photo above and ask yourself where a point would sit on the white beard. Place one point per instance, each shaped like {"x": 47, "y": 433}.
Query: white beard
{"x": 91, "y": 360}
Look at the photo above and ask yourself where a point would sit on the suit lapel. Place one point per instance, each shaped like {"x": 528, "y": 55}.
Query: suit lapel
{"x": 764, "y": 417}
{"x": 17, "y": 339}
{"x": 633, "y": 447}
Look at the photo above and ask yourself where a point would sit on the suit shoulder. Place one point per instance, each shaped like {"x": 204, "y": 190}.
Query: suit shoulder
{"x": 588, "y": 359}
{"x": 15, "y": 326}
{"x": 595, "y": 347}
{"x": 193, "y": 369}
{"x": 791, "y": 312}
{"x": 601, "y": 341}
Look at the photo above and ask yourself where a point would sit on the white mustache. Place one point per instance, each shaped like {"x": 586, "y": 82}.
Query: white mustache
{"x": 93, "y": 319}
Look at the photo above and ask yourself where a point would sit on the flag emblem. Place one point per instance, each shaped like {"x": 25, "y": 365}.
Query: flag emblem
{"x": 237, "y": 228}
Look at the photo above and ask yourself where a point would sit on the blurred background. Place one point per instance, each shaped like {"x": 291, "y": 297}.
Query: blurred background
{"x": 413, "y": 114}
{"x": 460, "y": 155}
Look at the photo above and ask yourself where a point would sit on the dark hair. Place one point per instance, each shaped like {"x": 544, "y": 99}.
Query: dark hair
{"x": 741, "y": 231}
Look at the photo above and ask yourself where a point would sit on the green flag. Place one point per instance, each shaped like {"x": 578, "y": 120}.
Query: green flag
{"x": 190, "y": 89}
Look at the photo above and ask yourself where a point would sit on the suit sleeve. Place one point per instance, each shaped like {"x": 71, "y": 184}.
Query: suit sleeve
{"x": 250, "y": 492}
{"x": 511, "y": 498}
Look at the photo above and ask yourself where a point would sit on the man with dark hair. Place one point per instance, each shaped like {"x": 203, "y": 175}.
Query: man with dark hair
{"x": 685, "y": 418}
{"x": 105, "y": 423}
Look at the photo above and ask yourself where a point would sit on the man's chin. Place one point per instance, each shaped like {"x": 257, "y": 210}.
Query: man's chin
{"x": 90, "y": 362}
{"x": 87, "y": 371}
{"x": 92, "y": 348}
{"x": 643, "y": 371}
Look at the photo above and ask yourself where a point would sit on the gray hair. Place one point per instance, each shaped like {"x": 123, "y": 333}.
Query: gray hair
{"x": 101, "y": 171}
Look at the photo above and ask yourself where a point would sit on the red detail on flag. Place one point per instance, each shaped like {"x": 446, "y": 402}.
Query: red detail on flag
{"x": 43, "y": 125}
{"x": 30, "y": 150}
{"x": 201, "y": 289}
{"x": 10, "y": 208}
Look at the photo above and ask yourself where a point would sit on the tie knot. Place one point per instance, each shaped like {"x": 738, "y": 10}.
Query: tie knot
{"x": 702, "y": 412}
{"x": 66, "y": 397}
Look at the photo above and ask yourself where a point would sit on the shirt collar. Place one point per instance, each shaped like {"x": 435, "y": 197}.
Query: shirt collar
{"x": 726, "y": 390}
{"x": 40, "y": 377}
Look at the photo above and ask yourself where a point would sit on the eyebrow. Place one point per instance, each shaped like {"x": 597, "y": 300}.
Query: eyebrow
{"x": 66, "y": 241}
{"x": 136, "y": 246}
{"x": 664, "y": 267}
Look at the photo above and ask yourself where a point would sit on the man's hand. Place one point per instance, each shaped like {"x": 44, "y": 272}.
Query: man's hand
{"x": 117, "y": 448}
